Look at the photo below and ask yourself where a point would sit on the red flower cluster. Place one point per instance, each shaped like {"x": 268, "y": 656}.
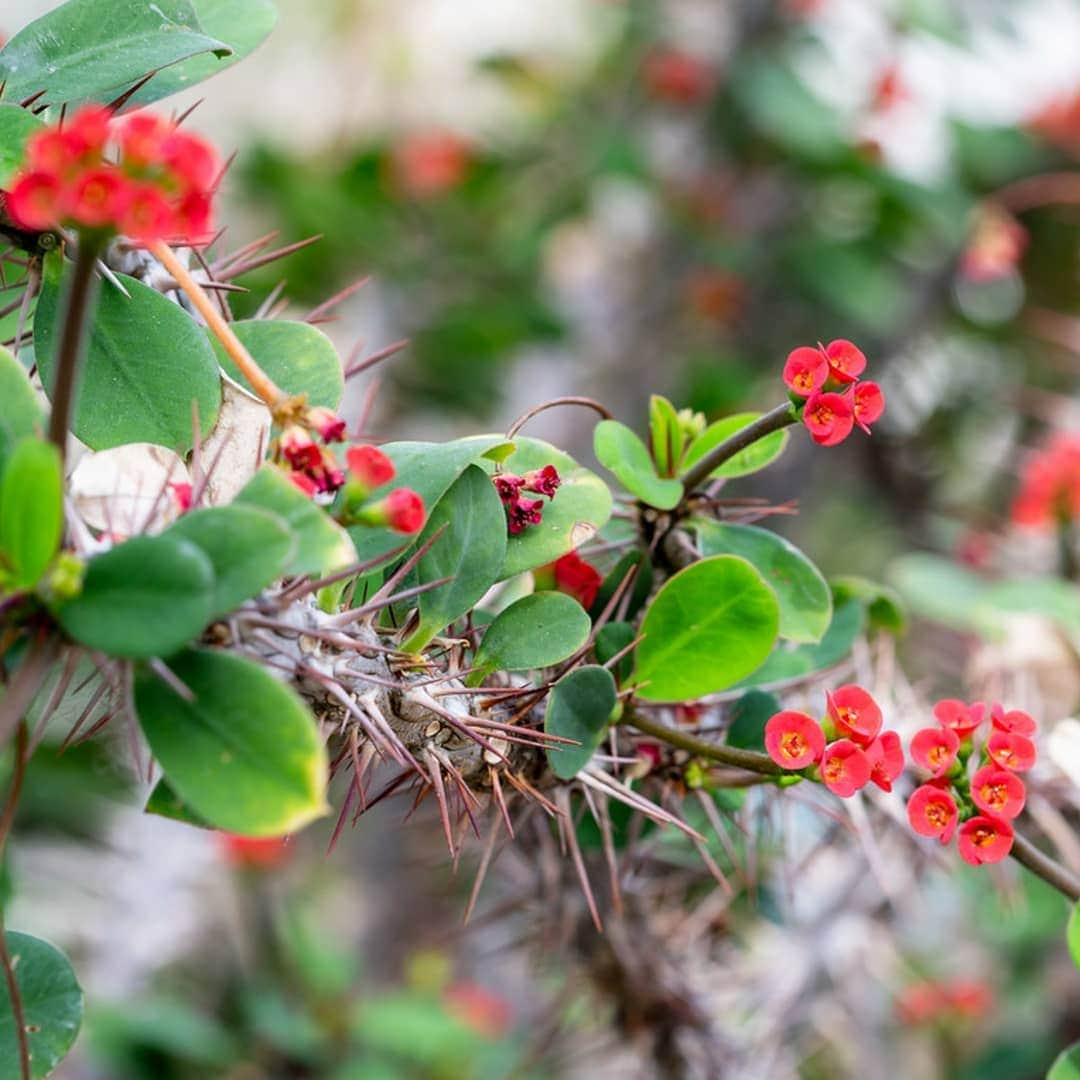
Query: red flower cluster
{"x": 980, "y": 806}
{"x": 846, "y": 751}
{"x": 825, "y": 383}
{"x": 313, "y": 468}
{"x": 677, "y": 77}
{"x": 158, "y": 187}
{"x": 520, "y": 511}
{"x": 1050, "y": 484}
{"x": 927, "y": 1002}
{"x": 401, "y": 510}
{"x": 577, "y": 578}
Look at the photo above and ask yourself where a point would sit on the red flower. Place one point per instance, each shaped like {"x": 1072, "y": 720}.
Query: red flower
{"x": 88, "y": 129}
{"x": 969, "y": 997}
{"x": 984, "y": 840}
{"x": 34, "y": 201}
{"x": 794, "y": 740}
{"x": 147, "y": 215}
{"x": 855, "y": 713}
{"x": 430, "y": 164}
{"x": 958, "y": 717}
{"x": 142, "y": 136}
{"x": 935, "y": 749}
{"x": 523, "y": 512}
{"x": 508, "y": 486}
{"x": 829, "y": 418}
{"x": 1050, "y": 484}
{"x": 846, "y": 362}
{"x": 886, "y": 759}
{"x": 1013, "y": 752}
{"x": 920, "y": 1002}
{"x": 404, "y": 510}
{"x": 485, "y": 1013}
{"x": 805, "y": 370}
{"x": 99, "y": 198}
{"x": 844, "y": 768}
{"x": 932, "y": 812}
{"x": 54, "y": 151}
{"x": 577, "y": 578}
{"x": 194, "y": 216}
{"x": 677, "y": 77}
{"x": 1015, "y": 720}
{"x": 327, "y": 423}
{"x": 543, "y": 481}
{"x": 191, "y": 159}
{"x": 998, "y": 792}
{"x": 299, "y": 449}
{"x": 369, "y": 466}
{"x": 868, "y": 403}
{"x": 253, "y": 852}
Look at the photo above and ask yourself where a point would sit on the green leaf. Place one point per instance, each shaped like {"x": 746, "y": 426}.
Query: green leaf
{"x": 31, "y": 511}
{"x": 611, "y": 639}
{"x": 85, "y": 48}
{"x": 749, "y": 715}
{"x": 804, "y": 596}
{"x": 244, "y": 754}
{"x": 146, "y": 363}
{"x": 788, "y": 661}
{"x": 1072, "y": 935}
{"x": 52, "y": 1002}
{"x": 148, "y": 596}
{"x": 469, "y": 552}
{"x": 579, "y": 707}
{"x": 322, "y": 546}
{"x": 1066, "y": 1065}
{"x": 241, "y": 24}
{"x": 708, "y": 626}
{"x": 248, "y": 548}
{"x": 534, "y": 632}
{"x": 580, "y": 508}
{"x": 619, "y": 450}
{"x": 299, "y": 357}
{"x": 754, "y": 457}
{"x": 164, "y": 802}
{"x": 883, "y": 605}
{"x": 666, "y": 433}
{"x": 16, "y": 126}
{"x": 160, "y": 1028}
{"x": 20, "y": 413}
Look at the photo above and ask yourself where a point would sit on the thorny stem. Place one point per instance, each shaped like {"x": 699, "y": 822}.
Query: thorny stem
{"x": 726, "y": 755}
{"x": 260, "y": 382}
{"x": 766, "y": 424}
{"x": 80, "y": 303}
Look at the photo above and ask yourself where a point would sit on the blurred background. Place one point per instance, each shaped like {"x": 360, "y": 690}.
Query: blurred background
{"x": 615, "y": 198}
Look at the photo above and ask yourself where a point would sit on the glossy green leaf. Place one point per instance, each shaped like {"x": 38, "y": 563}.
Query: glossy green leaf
{"x": 322, "y": 546}
{"x": 248, "y": 548}
{"x": 749, "y": 715}
{"x": 1073, "y": 934}
{"x": 146, "y": 363}
{"x": 299, "y": 357}
{"x": 244, "y": 754}
{"x": 708, "y": 626}
{"x": 611, "y": 639}
{"x": 20, "y": 413}
{"x": 534, "y": 632}
{"x": 52, "y": 1002}
{"x": 883, "y": 605}
{"x": 580, "y": 508}
{"x": 666, "y": 434}
{"x": 757, "y": 456}
{"x": 790, "y": 661}
{"x": 469, "y": 552}
{"x": 31, "y": 512}
{"x": 805, "y": 599}
{"x": 579, "y": 707}
{"x": 164, "y": 802}
{"x": 148, "y": 596}
{"x": 241, "y": 24}
{"x": 618, "y": 449}
{"x": 83, "y": 49}
{"x": 16, "y": 126}
{"x": 1066, "y": 1065}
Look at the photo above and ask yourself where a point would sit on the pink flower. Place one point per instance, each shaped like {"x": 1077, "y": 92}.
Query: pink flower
{"x": 998, "y": 792}
{"x": 1013, "y": 752}
{"x": 984, "y": 839}
{"x": 543, "y": 481}
{"x": 868, "y": 403}
{"x": 1014, "y": 720}
{"x": 805, "y": 371}
{"x": 855, "y": 713}
{"x": 829, "y": 418}
{"x": 886, "y": 759}
{"x": 844, "y": 768}
{"x": 935, "y": 749}
{"x": 794, "y": 740}
{"x": 932, "y": 812}
{"x": 846, "y": 361}
{"x": 960, "y": 718}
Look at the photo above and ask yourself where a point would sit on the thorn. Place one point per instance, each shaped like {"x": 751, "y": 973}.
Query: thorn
{"x": 264, "y": 308}
{"x": 118, "y": 103}
{"x": 355, "y": 368}
{"x": 236, "y": 270}
{"x": 482, "y": 869}
{"x": 440, "y": 794}
{"x": 27, "y": 102}
{"x": 111, "y": 278}
{"x": 562, "y": 796}
{"x": 316, "y": 313}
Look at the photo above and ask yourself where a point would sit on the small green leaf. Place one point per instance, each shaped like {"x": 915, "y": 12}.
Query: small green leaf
{"x": 579, "y": 707}
{"x": 248, "y": 548}
{"x": 611, "y": 639}
{"x": 322, "y": 546}
{"x": 20, "y": 413}
{"x": 52, "y": 1002}
{"x": 31, "y": 511}
{"x": 709, "y": 626}
{"x": 164, "y": 802}
{"x": 146, "y": 363}
{"x": 534, "y": 632}
{"x": 666, "y": 433}
{"x": 469, "y": 552}
{"x": 299, "y": 357}
{"x": 148, "y": 596}
{"x": 883, "y": 605}
{"x": 618, "y": 449}
{"x": 244, "y": 754}
{"x": 754, "y": 457}
{"x": 805, "y": 599}
{"x": 16, "y": 126}
{"x": 749, "y": 715}
{"x": 1073, "y": 934}
{"x": 83, "y": 49}
{"x": 1066, "y": 1065}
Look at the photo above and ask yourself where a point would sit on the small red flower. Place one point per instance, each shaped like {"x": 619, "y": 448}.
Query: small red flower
{"x": 794, "y": 740}
{"x": 194, "y": 217}
{"x": 855, "y": 713}
{"x": 868, "y": 403}
{"x": 846, "y": 362}
{"x": 54, "y": 151}
{"x": 404, "y": 510}
{"x": 1015, "y": 720}
{"x": 984, "y": 839}
{"x": 35, "y": 201}
{"x": 805, "y": 370}
{"x": 543, "y": 481}
{"x": 932, "y": 812}
{"x": 508, "y": 486}
{"x": 844, "y": 768}
{"x": 969, "y": 997}
{"x": 1050, "y": 484}
{"x": 327, "y": 423}
{"x": 677, "y": 77}
{"x": 181, "y": 495}
{"x": 99, "y": 198}
{"x": 430, "y": 164}
{"x": 191, "y": 159}
{"x": 88, "y": 128}
{"x": 523, "y": 512}
{"x": 253, "y": 852}
{"x": 299, "y": 449}
{"x": 142, "y": 136}
{"x": 957, "y": 716}
{"x": 369, "y": 466}
{"x": 998, "y": 792}
{"x": 886, "y": 759}
{"x": 147, "y": 214}
{"x": 829, "y": 418}
{"x": 577, "y": 578}
{"x": 1013, "y": 752}
{"x": 935, "y": 749}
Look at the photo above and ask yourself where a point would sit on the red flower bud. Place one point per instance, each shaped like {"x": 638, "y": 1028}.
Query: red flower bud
{"x": 960, "y": 718}
{"x": 829, "y": 418}
{"x": 846, "y": 362}
{"x": 886, "y": 759}
{"x": 998, "y": 792}
{"x": 984, "y": 840}
{"x": 1013, "y": 752}
{"x": 404, "y": 510}
{"x": 932, "y": 812}
{"x": 868, "y": 403}
{"x": 844, "y": 768}
{"x": 935, "y": 749}
{"x": 327, "y": 423}
{"x": 369, "y": 466}
{"x": 855, "y": 713}
{"x": 794, "y": 740}
{"x": 806, "y": 370}
{"x": 577, "y": 578}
